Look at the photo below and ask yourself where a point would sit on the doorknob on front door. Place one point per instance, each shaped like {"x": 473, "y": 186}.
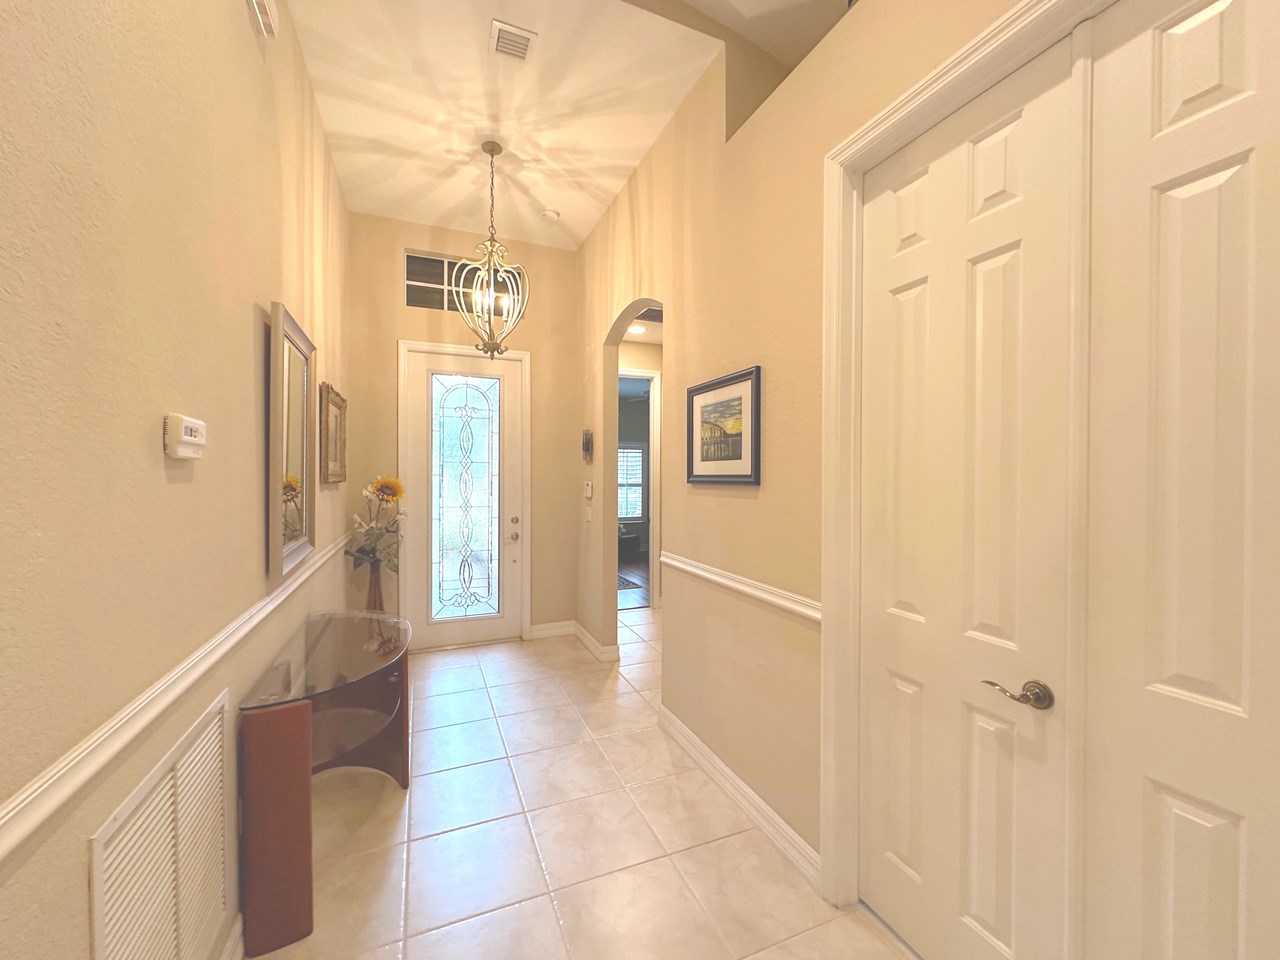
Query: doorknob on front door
{"x": 1034, "y": 694}
{"x": 513, "y": 537}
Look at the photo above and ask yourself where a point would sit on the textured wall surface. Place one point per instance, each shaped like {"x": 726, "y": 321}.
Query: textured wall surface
{"x": 128, "y": 293}
{"x": 165, "y": 179}
{"x": 639, "y": 356}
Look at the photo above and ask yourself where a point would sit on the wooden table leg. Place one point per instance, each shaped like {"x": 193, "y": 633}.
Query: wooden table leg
{"x": 387, "y": 690}
{"x": 275, "y": 833}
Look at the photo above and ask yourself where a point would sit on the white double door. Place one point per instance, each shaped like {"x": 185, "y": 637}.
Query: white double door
{"x": 1103, "y": 521}
{"x": 461, "y": 459}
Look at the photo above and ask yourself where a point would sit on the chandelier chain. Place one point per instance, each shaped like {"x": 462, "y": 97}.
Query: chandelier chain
{"x": 493, "y": 233}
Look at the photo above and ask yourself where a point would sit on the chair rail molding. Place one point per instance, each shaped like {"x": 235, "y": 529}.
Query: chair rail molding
{"x": 1028, "y": 29}
{"x": 24, "y": 813}
{"x": 793, "y": 603}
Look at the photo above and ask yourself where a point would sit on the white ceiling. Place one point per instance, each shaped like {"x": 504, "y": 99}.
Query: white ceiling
{"x": 651, "y": 332}
{"x": 788, "y": 29}
{"x": 408, "y": 91}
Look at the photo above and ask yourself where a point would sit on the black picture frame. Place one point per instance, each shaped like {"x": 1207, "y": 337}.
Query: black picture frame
{"x": 752, "y": 430}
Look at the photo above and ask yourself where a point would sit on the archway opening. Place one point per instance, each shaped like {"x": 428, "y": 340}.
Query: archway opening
{"x": 630, "y": 444}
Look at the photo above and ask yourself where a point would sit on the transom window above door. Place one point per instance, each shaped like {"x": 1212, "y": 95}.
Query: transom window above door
{"x": 428, "y": 282}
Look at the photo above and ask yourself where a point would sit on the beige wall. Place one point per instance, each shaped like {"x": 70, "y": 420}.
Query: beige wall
{"x": 729, "y": 238}
{"x": 165, "y": 179}
{"x": 751, "y": 74}
{"x": 639, "y": 356}
{"x": 377, "y": 319}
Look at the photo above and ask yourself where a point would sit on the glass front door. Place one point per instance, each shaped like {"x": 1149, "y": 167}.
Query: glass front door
{"x": 462, "y": 461}
{"x": 466, "y": 496}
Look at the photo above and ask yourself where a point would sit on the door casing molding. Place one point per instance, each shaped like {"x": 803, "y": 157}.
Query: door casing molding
{"x": 1027, "y": 30}
{"x": 522, "y": 357}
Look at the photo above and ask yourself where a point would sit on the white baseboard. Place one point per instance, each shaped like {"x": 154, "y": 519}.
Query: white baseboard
{"x": 598, "y": 650}
{"x": 233, "y": 946}
{"x": 792, "y": 845}
{"x": 559, "y": 628}
{"x": 571, "y": 628}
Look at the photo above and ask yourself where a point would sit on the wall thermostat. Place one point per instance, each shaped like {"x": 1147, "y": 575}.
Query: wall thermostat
{"x": 184, "y": 437}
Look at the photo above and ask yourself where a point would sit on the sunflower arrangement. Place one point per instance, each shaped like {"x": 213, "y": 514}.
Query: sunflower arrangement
{"x": 377, "y": 536}
{"x": 291, "y": 497}
{"x": 377, "y": 541}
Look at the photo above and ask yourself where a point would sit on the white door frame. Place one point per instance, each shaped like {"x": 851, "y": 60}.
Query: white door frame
{"x": 523, "y": 358}
{"x": 1027, "y": 30}
{"x": 655, "y": 478}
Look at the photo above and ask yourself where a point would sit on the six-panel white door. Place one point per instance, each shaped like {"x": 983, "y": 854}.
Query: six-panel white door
{"x": 966, "y": 383}
{"x": 1183, "y": 764}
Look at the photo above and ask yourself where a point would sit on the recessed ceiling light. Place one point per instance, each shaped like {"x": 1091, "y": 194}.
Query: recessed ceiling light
{"x": 551, "y": 216}
{"x": 635, "y": 328}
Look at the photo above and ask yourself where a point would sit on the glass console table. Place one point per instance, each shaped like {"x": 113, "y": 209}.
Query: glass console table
{"x": 336, "y": 696}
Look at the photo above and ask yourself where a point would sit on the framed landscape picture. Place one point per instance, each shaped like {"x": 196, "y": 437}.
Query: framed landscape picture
{"x": 723, "y": 439}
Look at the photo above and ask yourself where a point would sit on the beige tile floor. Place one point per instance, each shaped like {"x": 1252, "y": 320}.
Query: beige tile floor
{"x": 549, "y": 818}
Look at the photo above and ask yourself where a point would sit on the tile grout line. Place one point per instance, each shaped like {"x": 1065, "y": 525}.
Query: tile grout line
{"x": 578, "y": 707}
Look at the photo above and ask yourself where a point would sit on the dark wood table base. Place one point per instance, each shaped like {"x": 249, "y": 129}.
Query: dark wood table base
{"x": 276, "y": 765}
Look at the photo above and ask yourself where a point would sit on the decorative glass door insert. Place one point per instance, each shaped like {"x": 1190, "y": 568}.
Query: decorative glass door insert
{"x": 465, "y": 496}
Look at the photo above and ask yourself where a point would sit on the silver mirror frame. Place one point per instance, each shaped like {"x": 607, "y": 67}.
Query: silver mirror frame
{"x": 286, "y": 332}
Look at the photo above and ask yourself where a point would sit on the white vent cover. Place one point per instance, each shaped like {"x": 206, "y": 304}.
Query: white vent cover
{"x": 161, "y": 866}
{"x": 266, "y": 17}
{"x": 510, "y": 41}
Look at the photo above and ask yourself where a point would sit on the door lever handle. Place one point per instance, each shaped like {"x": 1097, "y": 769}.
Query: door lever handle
{"x": 1034, "y": 694}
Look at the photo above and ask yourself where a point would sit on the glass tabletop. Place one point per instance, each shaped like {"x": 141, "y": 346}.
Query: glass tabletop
{"x": 330, "y": 651}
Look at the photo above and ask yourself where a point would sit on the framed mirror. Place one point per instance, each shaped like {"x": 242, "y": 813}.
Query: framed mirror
{"x": 291, "y": 460}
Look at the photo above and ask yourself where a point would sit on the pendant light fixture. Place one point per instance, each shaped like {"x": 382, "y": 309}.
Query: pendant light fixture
{"x": 491, "y": 293}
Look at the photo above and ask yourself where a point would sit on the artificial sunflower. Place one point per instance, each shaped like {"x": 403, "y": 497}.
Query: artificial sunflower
{"x": 387, "y": 489}
{"x": 292, "y": 488}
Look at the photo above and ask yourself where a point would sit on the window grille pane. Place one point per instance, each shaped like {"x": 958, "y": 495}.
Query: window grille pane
{"x": 425, "y": 270}
{"x": 630, "y": 484}
{"x": 429, "y": 282}
{"x": 454, "y": 297}
{"x": 630, "y": 503}
{"x": 430, "y": 297}
{"x": 630, "y": 466}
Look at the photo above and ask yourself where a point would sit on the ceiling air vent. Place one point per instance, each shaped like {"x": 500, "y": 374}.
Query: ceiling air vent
{"x": 265, "y": 16}
{"x": 510, "y": 41}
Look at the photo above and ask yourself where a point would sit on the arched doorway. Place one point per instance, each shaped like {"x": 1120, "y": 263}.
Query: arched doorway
{"x": 635, "y": 537}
